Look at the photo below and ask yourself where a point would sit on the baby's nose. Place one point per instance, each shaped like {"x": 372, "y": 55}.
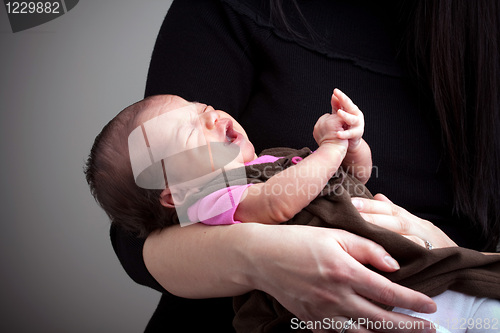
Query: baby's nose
{"x": 209, "y": 118}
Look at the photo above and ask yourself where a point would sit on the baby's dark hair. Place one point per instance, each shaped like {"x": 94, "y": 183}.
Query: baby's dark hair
{"x": 109, "y": 174}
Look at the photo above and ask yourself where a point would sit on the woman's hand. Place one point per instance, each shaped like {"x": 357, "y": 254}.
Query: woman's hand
{"x": 319, "y": 273}
{"x": 315, "y": 273}
{"x": 386, "y": 214}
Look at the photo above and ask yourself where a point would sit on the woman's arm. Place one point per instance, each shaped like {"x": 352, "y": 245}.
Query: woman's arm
{"x": 315, "y": 273}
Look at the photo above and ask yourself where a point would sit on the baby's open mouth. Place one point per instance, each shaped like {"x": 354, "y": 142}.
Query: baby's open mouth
{"x": 231, "y": 134}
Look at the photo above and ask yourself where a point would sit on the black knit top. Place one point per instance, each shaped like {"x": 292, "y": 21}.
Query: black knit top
{"x": 236, "y": 56}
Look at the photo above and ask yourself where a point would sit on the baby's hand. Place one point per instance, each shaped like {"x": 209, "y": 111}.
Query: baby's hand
{"x": 326, "y": 129}
{"x": 352, "y": 118}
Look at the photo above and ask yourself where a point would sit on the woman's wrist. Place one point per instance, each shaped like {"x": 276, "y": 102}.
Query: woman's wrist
{"x": 245, "y": 241}
{"x": 257, "y": 251}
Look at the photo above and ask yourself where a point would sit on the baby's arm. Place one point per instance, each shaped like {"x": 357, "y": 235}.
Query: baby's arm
{"x": 358, "y": 160}
{"x": 288, "y": 192}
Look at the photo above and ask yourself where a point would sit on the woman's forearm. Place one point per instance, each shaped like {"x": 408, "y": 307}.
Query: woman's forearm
{"x": 200, "y": 261}
{"x": 313, "y": 272}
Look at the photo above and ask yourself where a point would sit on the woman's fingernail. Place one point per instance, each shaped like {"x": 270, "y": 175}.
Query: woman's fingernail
{"x": 391, "y": 262}
{"x": 357, "y": 203}
{"x": 430, "y": 308}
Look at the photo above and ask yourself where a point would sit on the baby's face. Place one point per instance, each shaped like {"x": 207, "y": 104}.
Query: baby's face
{"x": 182, "y": 141}
{"x": 187, "y": 125}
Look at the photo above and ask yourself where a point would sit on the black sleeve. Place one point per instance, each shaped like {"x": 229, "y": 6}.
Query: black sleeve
{"x": 128, "y": 248}
{"x": 198, "y": 56}
{"x": 213, "y": 313}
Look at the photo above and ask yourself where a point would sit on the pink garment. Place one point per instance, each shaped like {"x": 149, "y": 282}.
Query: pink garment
{"x": 263, "y": 159}
{"x": 218, "y": 208}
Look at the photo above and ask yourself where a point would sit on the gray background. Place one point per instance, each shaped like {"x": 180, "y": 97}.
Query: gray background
{"x": 59, "y": 84}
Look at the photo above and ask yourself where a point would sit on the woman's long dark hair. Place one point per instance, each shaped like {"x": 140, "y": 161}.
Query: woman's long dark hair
{"x": 452, "y": 47}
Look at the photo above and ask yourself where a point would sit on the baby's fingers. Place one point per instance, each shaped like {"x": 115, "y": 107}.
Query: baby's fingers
{"x": 350, "y": 119}
{"x": 346, "y": 103}
{"x": 353, "y": 133}
{"x": 335, "y": 103}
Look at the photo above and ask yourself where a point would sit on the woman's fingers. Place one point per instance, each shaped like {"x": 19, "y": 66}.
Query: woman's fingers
{"x": 384, "y": 213}
{"x": 382, "y": 290}
{"x": 375, "y": 286}
{"x": 416, "y": 240}
{"x": 368, "y": 252}
{"x": 366, "y": 284}
{"x": 381, "y": 197}
{"x": 371, "y": 286}
{"x": 394, "y": 223}
{"x": 390, "y": 216}
{"x": 377, "y": 207}
{"x": 337, "y": 323}
{"x": 386, "y": 321}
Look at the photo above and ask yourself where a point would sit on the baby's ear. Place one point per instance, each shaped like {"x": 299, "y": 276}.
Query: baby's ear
{"x": 171, "y": 198}
{"x": 166, "y": 198}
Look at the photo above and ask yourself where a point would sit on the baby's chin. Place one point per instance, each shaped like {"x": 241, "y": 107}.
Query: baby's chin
{"x": 247, "y": 152}
{"x": 243, "y": 158}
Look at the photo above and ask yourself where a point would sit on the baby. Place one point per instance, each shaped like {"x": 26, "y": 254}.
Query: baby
{"x": 175, "y": 147}
{"x": 150, "y": 166}
{"x": 192, "y": 128}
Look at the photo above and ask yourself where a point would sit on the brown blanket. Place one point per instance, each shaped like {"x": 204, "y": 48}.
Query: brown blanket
{"x": 428, "y": 271}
